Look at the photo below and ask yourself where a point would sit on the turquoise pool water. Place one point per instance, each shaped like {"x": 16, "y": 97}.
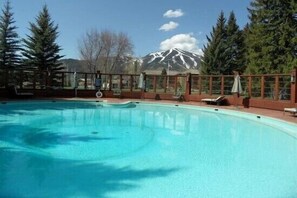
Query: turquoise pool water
{"x": 89, "y": 149}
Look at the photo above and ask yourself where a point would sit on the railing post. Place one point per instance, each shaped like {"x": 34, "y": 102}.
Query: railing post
{"x": 131, "y": 83}
{"x": 165, "y": 83}
{"x": 189, "y": 84}
{"x": 262, "y": 86}
{"x": 294, "y": 87}
{"x": 222, "y": 84}
{"x": 121, "y": 83}
{"x": 63, "y": 76}
{"x": 276, "y": 88}
{"x": 175, "y": 84}
{"x": 110, "y": 82}
{"x": 155, "y": 84}
{"x": 250, "y": 86}
{"x": 210, "y": 85}
{"x": 86, "y": 81}
{"x": 199, "y": 85}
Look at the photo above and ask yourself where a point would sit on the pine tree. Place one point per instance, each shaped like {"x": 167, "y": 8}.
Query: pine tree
{"x": 41, "y": 50}
{"x": 234, "y": 47}
{"x": 9, "y": 41}
{"x": 214, "y": 59}
{"x": 272, "y": 38}
{"x": 245, "y": 33}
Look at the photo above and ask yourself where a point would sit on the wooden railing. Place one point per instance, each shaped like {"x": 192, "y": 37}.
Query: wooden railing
{"x": 274, "y": 87}
{"x": 32, "y": 79}
{"x": 268, "y": 87}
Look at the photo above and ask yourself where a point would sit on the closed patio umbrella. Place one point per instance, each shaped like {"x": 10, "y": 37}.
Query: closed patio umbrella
{"x": 141, "y": 81}
{"x": 236, "y": 88}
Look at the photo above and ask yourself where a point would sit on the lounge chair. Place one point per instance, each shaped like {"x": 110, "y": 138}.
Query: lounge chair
{"x": 291, "y": 110}
{"x": 13, "y": 92}
{"x": 217, "y": 101}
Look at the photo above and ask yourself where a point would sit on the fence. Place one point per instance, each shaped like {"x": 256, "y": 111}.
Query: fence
{"x": 271, "y": 87}
{"x": 279, "y": 88}
{"x": 36, "y": 80}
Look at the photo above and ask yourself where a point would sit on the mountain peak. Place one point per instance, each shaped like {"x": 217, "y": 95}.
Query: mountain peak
{"x": 179, "y": 59}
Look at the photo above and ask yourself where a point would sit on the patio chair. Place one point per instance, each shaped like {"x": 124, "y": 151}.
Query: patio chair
{"x": 291, "y": 110}
{"x": 217, "y": 101}
{"x": 14, "y": 93}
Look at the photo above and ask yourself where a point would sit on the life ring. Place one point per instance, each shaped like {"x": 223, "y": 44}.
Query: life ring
{"x": 99, "y": 94}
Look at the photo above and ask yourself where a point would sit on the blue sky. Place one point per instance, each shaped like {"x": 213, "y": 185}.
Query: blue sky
{"x": 152, "y": 25}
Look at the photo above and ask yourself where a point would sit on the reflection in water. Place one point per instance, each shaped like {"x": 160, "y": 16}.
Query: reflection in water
{"x": 34, "y": 173}
{"x": 24, "y": 175}
{"x": 72, "y": 132}
{"x": 37, "y": 173}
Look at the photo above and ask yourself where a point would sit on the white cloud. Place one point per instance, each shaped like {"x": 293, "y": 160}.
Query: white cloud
{"x": 169, "y": 26}
{"x": 173, "y": 13}
{"x": 182, "y": 41}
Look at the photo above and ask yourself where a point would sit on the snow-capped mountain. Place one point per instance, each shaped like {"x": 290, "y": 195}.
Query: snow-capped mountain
{"x": 177, "y": 59}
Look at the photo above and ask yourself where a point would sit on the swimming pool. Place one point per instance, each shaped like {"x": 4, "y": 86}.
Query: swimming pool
{"x": 90, "y": 149}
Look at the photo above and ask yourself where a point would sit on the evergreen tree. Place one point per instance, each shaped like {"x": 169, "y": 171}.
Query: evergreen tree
{"x": 41, "y": 50}
{"x": 9, "y": 42}
{"x": 224, "y": 52}
{"x": 214, "y": 59}
{"x": 272, "y": 37}
{"x": 234, "y": 47}
{"x": 245, "y": 33}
